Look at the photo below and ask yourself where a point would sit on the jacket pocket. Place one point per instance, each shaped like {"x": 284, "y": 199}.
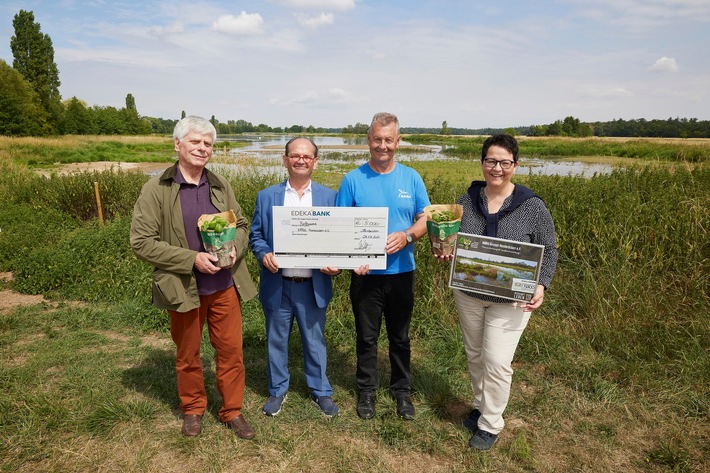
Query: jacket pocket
{"x": 168, "y": 289}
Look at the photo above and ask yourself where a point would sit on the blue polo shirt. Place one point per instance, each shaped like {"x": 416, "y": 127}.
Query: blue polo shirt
{"x": 402, "y": 191}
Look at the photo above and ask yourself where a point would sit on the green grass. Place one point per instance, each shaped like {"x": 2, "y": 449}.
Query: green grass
{"x": 612, "y": 374}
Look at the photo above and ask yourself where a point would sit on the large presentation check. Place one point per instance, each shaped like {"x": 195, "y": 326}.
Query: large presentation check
{"x": 340, "y": 237}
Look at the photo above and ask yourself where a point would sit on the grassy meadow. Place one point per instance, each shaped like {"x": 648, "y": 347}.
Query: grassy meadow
{"x": 612, "y": 373}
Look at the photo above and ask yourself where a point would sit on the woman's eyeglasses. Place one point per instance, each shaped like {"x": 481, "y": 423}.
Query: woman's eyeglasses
{"x": 492, "y": 163}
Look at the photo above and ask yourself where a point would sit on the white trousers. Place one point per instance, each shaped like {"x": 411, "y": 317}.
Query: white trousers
{"x": 491, "y": 333}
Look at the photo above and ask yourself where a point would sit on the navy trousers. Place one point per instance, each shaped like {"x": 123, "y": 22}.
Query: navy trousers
{"x": 299, "y": 303}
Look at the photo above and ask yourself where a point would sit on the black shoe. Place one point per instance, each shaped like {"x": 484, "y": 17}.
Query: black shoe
{"x": 471, "y": 422}
{"x": 366, "y": 405}
{"x": 405, "y": 408}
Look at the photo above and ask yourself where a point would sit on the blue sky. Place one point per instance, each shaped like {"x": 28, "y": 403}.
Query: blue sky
{"x": 332, "y": 63}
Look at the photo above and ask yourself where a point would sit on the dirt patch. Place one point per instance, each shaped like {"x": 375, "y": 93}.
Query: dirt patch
{"x": 11, "y": 299}
{"x": 100, "y": 166}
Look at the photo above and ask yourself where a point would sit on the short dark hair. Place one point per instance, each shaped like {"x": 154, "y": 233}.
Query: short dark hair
{"x": 507, "y": 142}
{"x": 315, "y": 147}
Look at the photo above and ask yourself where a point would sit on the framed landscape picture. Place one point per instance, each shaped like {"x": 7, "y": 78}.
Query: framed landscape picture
{"x": 496, "y": 267}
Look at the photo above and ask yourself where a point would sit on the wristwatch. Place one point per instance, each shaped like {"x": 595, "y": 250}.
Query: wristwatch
{"x": 409, "y": 237}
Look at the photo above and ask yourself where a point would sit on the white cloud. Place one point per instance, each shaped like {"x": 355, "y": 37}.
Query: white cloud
{"x": 118, "y": 56}
{"x": 315, "y": 21}
{"x": 337, "y": 95}
{"x": 606, "y": 92}
{"x": 665, "y": 64}
{"x": 340, "y": 5}
{"x": 646, "y": 14}
{"x": 175, "y": 28}
{"x": 244, "y": 24}
{"x": 331, "y": 96}
{"x": 305, "y": 98}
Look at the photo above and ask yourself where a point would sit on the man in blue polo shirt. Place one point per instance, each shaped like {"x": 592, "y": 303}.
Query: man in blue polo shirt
{"x": 382, "y": 182}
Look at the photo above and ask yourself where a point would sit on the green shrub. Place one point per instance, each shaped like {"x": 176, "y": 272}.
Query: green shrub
{"x": 90, "y": 263}
{"x": 24, "y": 229}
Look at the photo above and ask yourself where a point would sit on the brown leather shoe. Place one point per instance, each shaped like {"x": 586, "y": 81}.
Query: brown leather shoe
{"x": 192, "y": 425}
{"x": 241, "y": 428}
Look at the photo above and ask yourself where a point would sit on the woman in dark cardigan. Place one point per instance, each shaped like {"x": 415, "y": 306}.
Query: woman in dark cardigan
{"x": 491, "y": 326}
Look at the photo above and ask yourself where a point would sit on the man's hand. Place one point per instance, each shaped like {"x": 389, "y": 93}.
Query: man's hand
{"x": 269, "y": 262}
{"x": 206, "y": 263}
{"x": 330, "y": 271}
{"x": 395, "y": 242}
{"x": 362, "y": 270}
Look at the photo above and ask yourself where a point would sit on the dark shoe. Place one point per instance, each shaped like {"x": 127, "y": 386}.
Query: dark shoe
{"x": 325, "y": 404}
{"x": 241, "y": 428}
{"x": 272, "y": 406}
{"x": 191, "y": 425}
{"x": 482, "y": 440}
{"x": 405, "y": 408}
{"x": 471, "y": 422}
{"x": 366, "y": 405}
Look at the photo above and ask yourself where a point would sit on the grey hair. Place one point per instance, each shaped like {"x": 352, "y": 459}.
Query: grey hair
{"x": 384, "y": 119}
{"x": 196, "y": 124}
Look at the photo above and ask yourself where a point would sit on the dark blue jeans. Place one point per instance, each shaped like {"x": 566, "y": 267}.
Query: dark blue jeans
{"x": 373, "y": 296}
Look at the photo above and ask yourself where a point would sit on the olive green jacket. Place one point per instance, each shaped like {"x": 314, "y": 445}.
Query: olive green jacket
{"x": 158, "y": 237}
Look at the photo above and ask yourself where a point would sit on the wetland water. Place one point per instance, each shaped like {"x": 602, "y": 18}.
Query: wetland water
{"x": 333, "y": 148}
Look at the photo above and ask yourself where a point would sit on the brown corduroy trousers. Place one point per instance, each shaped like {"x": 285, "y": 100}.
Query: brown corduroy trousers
{"x": 223, "y": 314}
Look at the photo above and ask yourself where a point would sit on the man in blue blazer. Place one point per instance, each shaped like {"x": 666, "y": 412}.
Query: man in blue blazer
{"x": 285, "y": 293}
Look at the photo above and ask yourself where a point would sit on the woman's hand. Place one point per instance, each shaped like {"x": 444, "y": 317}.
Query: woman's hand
{"x": 442, "y": 257}
{"x": 536, "y": 300}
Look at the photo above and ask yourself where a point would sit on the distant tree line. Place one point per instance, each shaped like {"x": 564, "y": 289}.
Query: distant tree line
{"x": 571, "y": 126}
{"x": 669, "y": 128}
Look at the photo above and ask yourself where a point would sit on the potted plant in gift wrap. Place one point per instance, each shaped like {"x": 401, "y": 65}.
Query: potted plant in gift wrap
{"x": 218, "y": 232}
{"x": 443, "y": 222}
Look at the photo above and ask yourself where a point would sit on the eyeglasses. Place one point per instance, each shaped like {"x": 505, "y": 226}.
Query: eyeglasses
{"x": 305, "y": 157}
{"x": 492, "y": 163}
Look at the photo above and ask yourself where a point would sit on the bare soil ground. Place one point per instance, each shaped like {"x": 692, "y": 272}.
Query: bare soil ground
{"x": 11, "y": 299}
{"x": 106, "y": 165}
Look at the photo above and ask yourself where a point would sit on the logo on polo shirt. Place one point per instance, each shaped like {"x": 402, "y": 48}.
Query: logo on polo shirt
{"x": 404, "y": 194}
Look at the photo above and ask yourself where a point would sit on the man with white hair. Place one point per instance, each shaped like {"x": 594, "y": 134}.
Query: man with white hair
{"x": 187, "y": 281}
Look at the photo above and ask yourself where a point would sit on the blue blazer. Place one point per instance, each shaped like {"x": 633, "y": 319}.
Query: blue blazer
{"x": 261, "y": 241}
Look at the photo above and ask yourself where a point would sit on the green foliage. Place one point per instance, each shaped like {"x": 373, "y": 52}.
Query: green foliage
{"x": 21, "y": 113}
{"x": 247, "y": 184}
{"x": 357, "y": 129}
{"x": 470, "y": 148}
{"x": 89, "y": 263}
{"x": 623, "y": 335}
{"x": 75, "y": 194}
{"x": 77, "y": 119}
{"x": 23, "y": 228}
{"x": 445, "y": 130}
{"x": 34, "y": 58}
{"x": 33, "y": 153}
